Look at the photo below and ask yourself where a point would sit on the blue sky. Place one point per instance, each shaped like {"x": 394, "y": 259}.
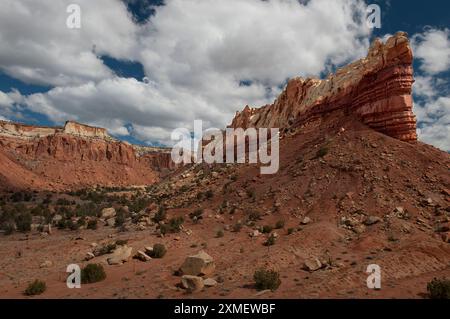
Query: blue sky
{"x": 143, "y": 68}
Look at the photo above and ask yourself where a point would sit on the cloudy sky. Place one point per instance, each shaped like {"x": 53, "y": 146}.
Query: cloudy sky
{"x": 144, "y": 67}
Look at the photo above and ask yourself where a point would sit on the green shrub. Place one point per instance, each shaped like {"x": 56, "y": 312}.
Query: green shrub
{"x": 121, "y": 242}
{"x": 439, "y": 288}
{"x": 270, "y": 241}
{"x": 279, "y": 224}
{"x": 266, "y": 229}
{"x": 120, "y": 218}
{"x": 23, "y": 222}
{"x": 173, "y": 226}
{"x": 322, "y": 152}
{"x": 71, "y": 225}
{"x": 254, "y": 216}
{"x": 92, "y": 224}
{"x": 92, "y": 273}
{"x": 8, "y": 228}
{"x": 160, "y": 215}
{"x": 266, "y": 279}
{"x": 36, "y": 287}
{"x": 159, "y": 250}
{"x": 237, "y": 227}
{"x": 196, "y": 214}
{"x": 219, "y": 233}
{"x": 209, "y": 194}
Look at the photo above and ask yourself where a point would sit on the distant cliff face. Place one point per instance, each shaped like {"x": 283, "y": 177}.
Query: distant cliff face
{"x": 16, "y": 130}
{"x": 74, "y": 156}
{"x": 75, "y": 128}
{"x": 376, "y": 89}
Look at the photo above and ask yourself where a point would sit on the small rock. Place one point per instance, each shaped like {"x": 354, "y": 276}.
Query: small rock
{"x": 89, "y": 256}
{"x": 108, "y": 213}
{"x": 255, "y": 233}
{"x": 111, "y": 221}
{"x": 46, "y": 264}
{"x": 306, "y": 220}
{"x": 262, "y": 292}
{"x": 142, "y": 256}
{"x": 210, "y": 282}
{"x": 371, "y": 220}
{"x": 312, "y": 264}
{"x": 192, "y": 283}
{"x": 359, "y": 229}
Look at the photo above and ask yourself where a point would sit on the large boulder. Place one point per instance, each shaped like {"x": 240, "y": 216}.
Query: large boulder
{"x": 192, "y": 283}
{"x": 312, "y": 264}
{"x": 120, "y": 255}
{"x": 200, "y": 264}
{"x": 108, "y": 213}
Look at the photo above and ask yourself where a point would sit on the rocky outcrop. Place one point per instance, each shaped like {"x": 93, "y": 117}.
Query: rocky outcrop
{"x": 16, "y": 130}
{"x": 82, "y": 130}
{"x": 74, "y": 156}
{"x": 376, "y": 89}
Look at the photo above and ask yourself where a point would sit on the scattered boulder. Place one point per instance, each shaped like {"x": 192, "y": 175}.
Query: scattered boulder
{"x": 140, "y": 255}
{"x": 359, "y": 229}
{"x": 306, "y": 220}
{"x": 209, "y": 282}
{"x": 108, "y": 213}
{"x": 57, "y": 218}
{"x": 111, "y": 222}
{"x": 255, "y": 233}
{"x": 200, "y": 264}
{"x": 312, "y": 264}
{"x": 192, "y": 283}
{"x": 89, "y": 256}
{"x": 371, "y": 220}
{"x": 120, "y": 255}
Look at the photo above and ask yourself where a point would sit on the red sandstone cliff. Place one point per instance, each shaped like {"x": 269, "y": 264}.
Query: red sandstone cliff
{"x": 74, "y": 156}
{"x": 377, "y": 89}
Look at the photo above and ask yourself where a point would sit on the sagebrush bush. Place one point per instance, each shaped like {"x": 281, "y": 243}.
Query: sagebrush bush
{"x": 270, "y": 241}
{"x": 160, "y": 215}
{"x": 23, "y": 222}
{"x": 279, "y": 224}
{"x": 173, "y": 226}
{"x": 254, "y": 216}
{"x": 92, "y": 273}
{"x": 36, "y": 287}
{"x": 237, "y": 227}
{"x": 219, "y": 233}
{"x": 322, "y": 152}
{"x": 439, "y": 289}
{"x": 266, "y": 279}
{"x": 266, "y": 229}
{"x": 159, "y": 250}
{"x": 196, "y": 214}
{"x": 92, "y": 224}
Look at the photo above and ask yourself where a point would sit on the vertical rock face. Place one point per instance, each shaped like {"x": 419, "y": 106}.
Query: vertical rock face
{"x": 376, "y": 89}
{"x": 75, "y": 128}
